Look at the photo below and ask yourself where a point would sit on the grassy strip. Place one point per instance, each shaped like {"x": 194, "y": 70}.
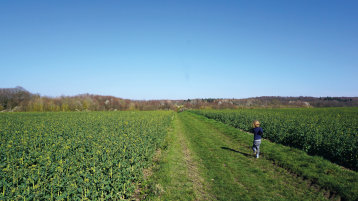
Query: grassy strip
{"x": 234, "y": 174}
{"x": 170, "y": 179}
{"x": 327, "y": 175}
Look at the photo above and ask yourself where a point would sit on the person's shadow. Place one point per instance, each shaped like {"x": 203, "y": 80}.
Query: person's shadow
{"x": 229, "y": 149}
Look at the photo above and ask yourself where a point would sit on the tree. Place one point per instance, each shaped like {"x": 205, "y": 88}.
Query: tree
{"x": 64, "y": 107}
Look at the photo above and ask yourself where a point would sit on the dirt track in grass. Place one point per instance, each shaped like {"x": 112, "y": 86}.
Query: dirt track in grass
{"x": 202, "y": 163}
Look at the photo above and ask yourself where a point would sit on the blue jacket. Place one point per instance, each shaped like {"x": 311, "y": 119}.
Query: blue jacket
{"x": 258, "y": 133}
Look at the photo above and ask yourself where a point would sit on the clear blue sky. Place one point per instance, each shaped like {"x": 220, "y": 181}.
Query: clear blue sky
{"x": 180, "y": 49}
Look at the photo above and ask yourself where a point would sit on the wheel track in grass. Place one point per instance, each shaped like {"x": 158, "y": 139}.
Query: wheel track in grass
{"x": 233, "y": 168}
{"x": 310, "y": 183}
{"x": 331, "y": 191}
{"x": 192, "y": 166}
{"x": 207, "y": 162}
{"x": 177, "y": 176}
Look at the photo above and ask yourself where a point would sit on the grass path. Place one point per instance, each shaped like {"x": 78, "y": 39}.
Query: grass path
{"x": 234, "y": 173}
{"x": 202, "y": 163}
{"x": 177, "y": 175}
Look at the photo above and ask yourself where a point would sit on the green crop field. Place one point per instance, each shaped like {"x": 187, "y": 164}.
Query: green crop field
{"x": 192, "y": 155}
{"x": 328, "y": 132}
{"x": 74, "y": 156}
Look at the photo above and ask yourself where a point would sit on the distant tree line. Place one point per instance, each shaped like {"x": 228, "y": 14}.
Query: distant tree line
{"x": 19, "y": 99}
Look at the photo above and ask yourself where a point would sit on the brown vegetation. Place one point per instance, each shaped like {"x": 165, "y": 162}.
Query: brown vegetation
{"x": 19, "y": 99}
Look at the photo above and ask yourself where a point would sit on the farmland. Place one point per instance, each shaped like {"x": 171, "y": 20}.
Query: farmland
{"x": 328, "y": 132}
{"x": 162, "y": 155}
{"x": 209, "y": 160}
{"x": 77, "y": 156}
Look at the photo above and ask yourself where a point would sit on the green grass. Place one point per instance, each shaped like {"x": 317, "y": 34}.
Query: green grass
{"x": 171, "y": 179}
{"x": 103, "y": 156}
{"x": 314, "y": 169}
{"x": 233, "y": 173}
{"x": 222, "y": 167}
{"x": 329, "y": 132}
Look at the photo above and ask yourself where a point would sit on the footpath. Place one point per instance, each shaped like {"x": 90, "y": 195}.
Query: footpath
{"x": 200, "y": 162}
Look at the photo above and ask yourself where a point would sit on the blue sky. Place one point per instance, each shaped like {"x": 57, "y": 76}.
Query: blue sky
{"x": 180, "y": 49}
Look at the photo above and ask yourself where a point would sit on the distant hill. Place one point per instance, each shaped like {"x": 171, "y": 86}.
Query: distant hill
{"x": 19, "y": 99}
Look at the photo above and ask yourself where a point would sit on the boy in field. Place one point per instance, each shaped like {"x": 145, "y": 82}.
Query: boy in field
{"x": 258, "y": 132}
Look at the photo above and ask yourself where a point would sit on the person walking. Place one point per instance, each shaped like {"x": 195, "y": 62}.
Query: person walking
{"x": 258, "y": 132}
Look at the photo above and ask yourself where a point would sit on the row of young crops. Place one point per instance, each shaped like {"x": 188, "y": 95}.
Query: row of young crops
{"x": 76, "y": 156}
{"x": 328, "y": 132}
